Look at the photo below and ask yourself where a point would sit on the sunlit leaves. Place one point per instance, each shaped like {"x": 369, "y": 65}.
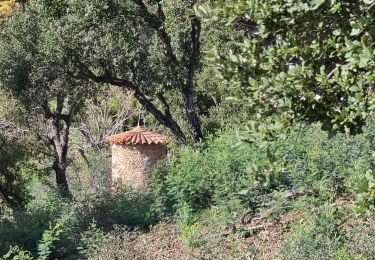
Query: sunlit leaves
{"x": 309, "y": 61}
{"x": 5, "y": 7}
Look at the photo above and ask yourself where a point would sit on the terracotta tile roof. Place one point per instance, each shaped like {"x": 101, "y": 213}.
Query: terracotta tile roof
{"x": 137, "y": 136}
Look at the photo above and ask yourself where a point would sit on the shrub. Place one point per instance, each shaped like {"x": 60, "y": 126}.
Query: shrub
{"x": 115, "y": 245}
{"x": 126, "y": 208}
{"x": 315, "y": 237}
{"x": 213, "y": 234}
{"x": 46, "y": 244}
{"x": 205, "y": 190}
{"x": 25, "y": 227}
{"x": 362, "y": 237}
{"x": 51, "y": 227}
{"x": 226, "y": 169}
{"x": 206, "y": 177}
{"x": 16, "y": 254}
{"x": 13, "y": 184}
{"x": 333, "y": 164}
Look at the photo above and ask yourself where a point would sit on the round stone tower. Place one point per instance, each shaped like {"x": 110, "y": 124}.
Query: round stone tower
{"x": 134, "y": 153}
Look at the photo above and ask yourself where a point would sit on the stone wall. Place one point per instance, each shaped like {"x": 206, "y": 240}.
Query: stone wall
{"x": 131, "y": 164}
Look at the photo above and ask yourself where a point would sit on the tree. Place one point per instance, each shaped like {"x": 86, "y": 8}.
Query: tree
{"x": 148, "y": 63}
{"x": 300, "y": 61}
{"x": 55, "y": 54}
{"x": 41, "y": 85}
{"x": 156, "y": 57}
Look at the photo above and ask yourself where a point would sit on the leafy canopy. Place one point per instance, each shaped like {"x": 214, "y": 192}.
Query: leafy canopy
{"x": 300, "y": 60}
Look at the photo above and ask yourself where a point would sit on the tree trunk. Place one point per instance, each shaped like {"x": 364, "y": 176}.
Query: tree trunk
{"x": 187, "y": 90}
{"x": 60, "y": 141}
{"x": 59, "y": 166}
{"x": 163, "y": 118}
{"x": 191, "y": 114}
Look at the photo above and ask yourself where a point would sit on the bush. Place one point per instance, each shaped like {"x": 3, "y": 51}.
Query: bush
{"x": 25, "y": 227}
{"x": 114, "y": 245}
{"x": 13, "y": 185}
{"x": 126, "y": 208}
{"x": 227, "y": 169}
{"x": 361, "y": 234}
{"x": 215, "y": 233}
{"x": 206, "y": 177}
{"x": 315, "y": 237}
{"x": 331, "y": 233}
{"x": 205, "y": 191}
{"x": 54, "y": 226}
{"x": 328, "y": 164}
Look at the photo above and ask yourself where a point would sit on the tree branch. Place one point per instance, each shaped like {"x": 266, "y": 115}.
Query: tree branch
{"x": 165, "y": 119}
{"x": 156, "y": 22}
{"x": 186, "y": 89}
{"x": 167, "y": 110}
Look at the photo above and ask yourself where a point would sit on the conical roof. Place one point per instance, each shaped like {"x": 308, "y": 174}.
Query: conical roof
{"x": 137, "y": 136}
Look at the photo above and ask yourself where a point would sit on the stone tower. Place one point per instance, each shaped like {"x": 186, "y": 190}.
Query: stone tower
{"x": 134, "y": 153}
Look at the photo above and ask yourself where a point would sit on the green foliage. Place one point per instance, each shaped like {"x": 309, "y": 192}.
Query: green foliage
{"x": 366, "y": 194}
{"x": 46, "y": 244}
{"x": 91, "y": 240}
{"x": 284, "y": 62}
{"x": 362, "y": 237}
{"x": 117, "y": 244}
{"x": 317, "y": 237}
{"x": 13, "y": 182}
{"x": 25, "y": 227}
{"x": 17, "y": 254}
{"x": 300, "y": 60}
{"x": 328, "y": 232}
{"x": 126, "y": 208}
{"x": 52, "y": 227}
{"x": 334, "y": 164}
{"x": 216, "y": 173}
{"x": 188, "y": 227}
{"x": 65, "y": 44}
{"x": 227, "y": 169}
{"x": 365, "y": 188}
{"x": 213, "y": 234}
{"x": 206, "y": 191}
{"x": 91, "y": 172}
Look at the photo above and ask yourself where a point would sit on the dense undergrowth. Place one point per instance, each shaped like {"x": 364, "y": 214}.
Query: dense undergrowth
{"x": 212, "y": 201}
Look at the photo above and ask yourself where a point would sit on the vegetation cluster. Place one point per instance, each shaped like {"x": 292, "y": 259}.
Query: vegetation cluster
{"x": 269, "y": 106}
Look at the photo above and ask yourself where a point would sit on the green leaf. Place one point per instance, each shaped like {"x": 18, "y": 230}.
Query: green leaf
{"x": 315, "y": 4}
{"x": 368, "y": 2}
{"x": 354, "y": 88}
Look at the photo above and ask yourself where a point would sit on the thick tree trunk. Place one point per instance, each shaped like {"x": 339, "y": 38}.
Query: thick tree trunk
{"x": 187, "y": 89}
{"x": 59, "y": 166}
{"x": 191, "y": 114}
{"x": 60, "y": 139}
